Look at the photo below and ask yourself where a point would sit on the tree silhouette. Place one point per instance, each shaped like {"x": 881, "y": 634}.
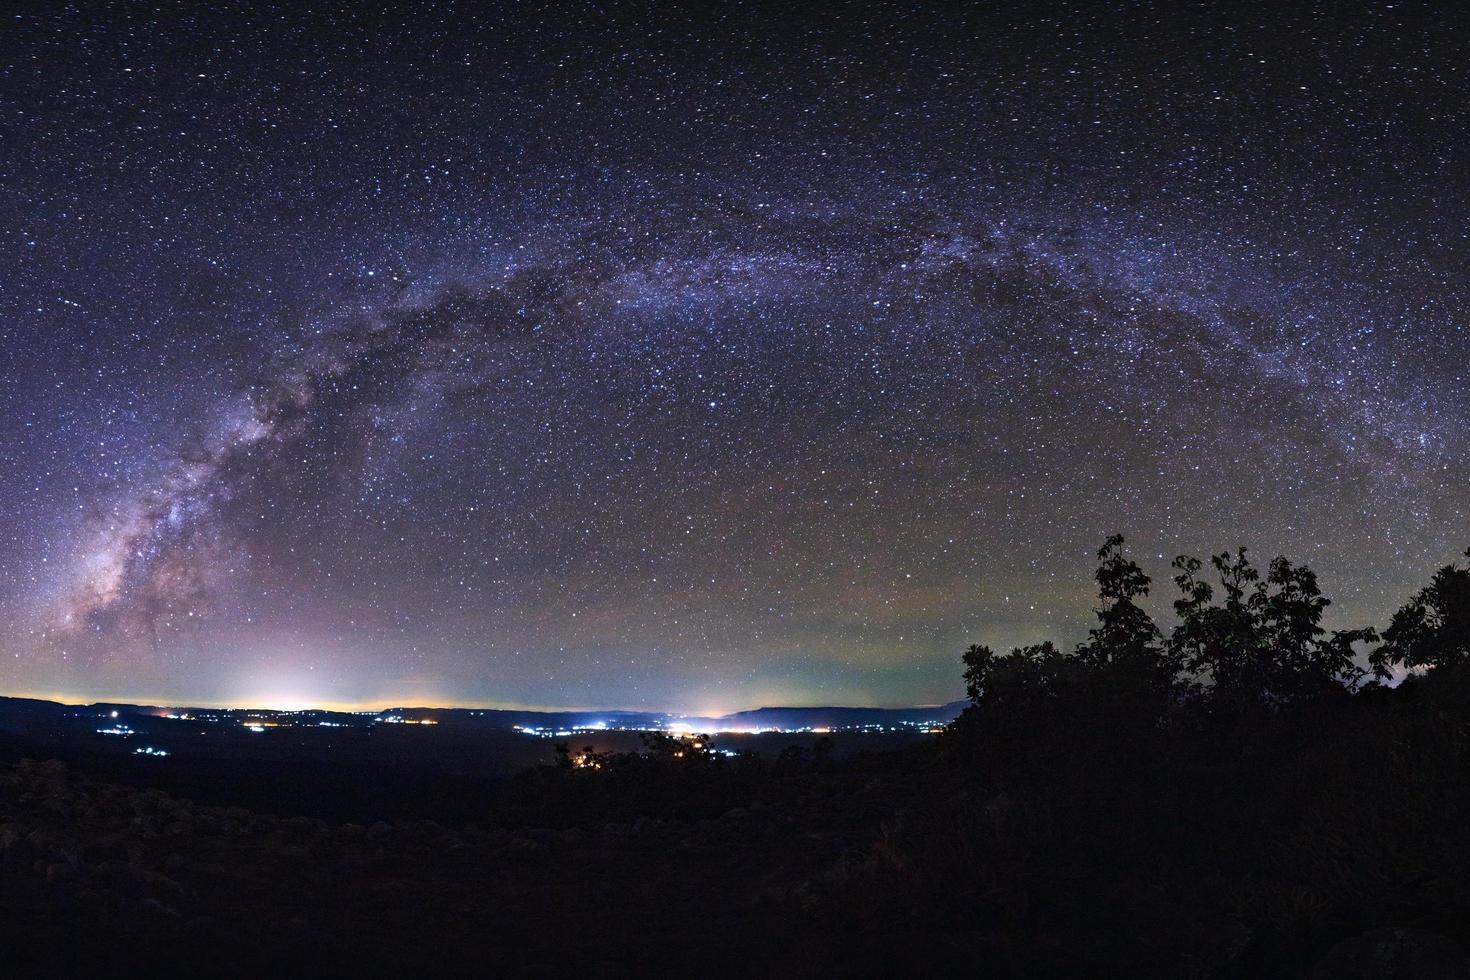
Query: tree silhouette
{"x": 1125, "y": 648}
{"x": 1218, "y": 642}
{"x": 1432, "y": 629}
{"x": 1265, "y": 640}
{"x": 1122, "y": 659}
{"x": 1019, "y": 692}
{"x": 1029, "y": 674}
{"x": 979, "y": 663}
{"x": 1124, "y": 632}
{"x": 1026, "y": 675}
{"x": 1301, "y": 660}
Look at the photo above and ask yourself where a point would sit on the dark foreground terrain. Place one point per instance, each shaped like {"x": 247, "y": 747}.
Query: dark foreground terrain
{"x": 1238, "y": 798}
{"x": 391, "y": 849}
{"x": 1262, "y": 846}
{"x": 102, "y": 878}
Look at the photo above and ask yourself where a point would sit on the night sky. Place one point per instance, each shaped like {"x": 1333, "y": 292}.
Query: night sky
{"x": 702, "y": 358}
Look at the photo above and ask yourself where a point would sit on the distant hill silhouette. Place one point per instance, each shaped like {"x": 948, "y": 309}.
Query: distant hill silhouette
{"x": 829, "y": 717}
{"x": 16, "y": 712}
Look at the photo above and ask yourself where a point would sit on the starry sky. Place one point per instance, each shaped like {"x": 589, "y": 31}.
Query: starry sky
{"x": 700, "y": 357}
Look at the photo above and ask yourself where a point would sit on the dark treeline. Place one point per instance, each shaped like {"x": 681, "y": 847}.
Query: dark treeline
{"x": 1245, "y": 641}
{"x": 1246, "y": 795}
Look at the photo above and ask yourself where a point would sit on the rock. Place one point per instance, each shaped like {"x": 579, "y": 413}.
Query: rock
{"x": 1394, "y": 954}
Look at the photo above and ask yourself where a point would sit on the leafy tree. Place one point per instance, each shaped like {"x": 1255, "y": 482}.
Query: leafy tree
{"x": 1123, "y": 661}
{"x": 1265, "y": 640}
{"x": 1432, "y": 629}
{"x": 1302, "y": 659}
{"x": 1025, "y": 675}
{"x": 1125, "y": 640}
{"x": 1028, "y": 675}
{"x": 1017, "y": 695}
{"x": 1218, "y": 641}
{"x": 979, "y": 668}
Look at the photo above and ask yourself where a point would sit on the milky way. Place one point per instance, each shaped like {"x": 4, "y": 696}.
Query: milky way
{"x": 697, "y": 360}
